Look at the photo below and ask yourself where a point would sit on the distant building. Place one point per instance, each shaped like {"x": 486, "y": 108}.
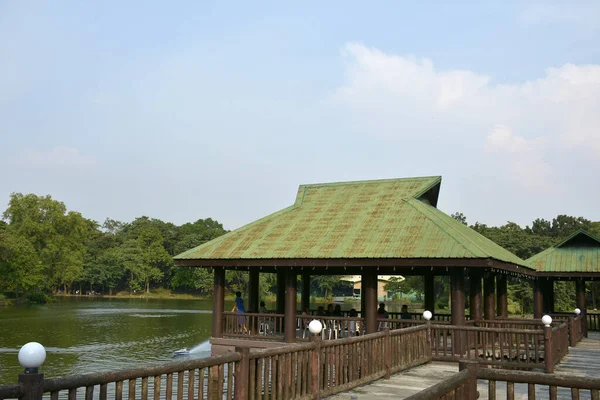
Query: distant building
{"x": 382, "y": 280}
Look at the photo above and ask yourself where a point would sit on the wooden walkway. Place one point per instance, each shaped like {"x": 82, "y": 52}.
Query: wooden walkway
{"x": 583, "y": 360}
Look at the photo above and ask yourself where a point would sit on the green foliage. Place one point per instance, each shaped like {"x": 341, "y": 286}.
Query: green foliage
{"x": 37, "y": 298}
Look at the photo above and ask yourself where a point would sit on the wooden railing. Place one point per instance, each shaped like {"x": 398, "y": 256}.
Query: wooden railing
{"x": 270, "y": 326}
{"x": 460, "y": 386}
{"x": 512, "y": 348}
{"x": 593, "y": 321}
{"x": 463, "y": 385}
{"x": 253, "y": 324}
{"x": 190, "y": 379}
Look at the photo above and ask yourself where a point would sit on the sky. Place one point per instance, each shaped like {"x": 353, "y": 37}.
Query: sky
{"x": 195, "y": 109}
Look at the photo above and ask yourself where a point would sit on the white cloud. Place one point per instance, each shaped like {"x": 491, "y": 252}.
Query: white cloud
{"x": 520, "y": 125}
{"x": 58, "y": 156}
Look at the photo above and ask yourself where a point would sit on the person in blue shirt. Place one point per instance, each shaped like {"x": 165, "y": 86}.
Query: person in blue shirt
{"x": 239, "y": 308}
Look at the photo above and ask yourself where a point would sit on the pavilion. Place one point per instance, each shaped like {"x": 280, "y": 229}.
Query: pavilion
{"x": 575, "y": 258}
{"x": 367, "y": 228}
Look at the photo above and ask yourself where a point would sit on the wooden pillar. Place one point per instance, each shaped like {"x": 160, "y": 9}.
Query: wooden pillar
{"x": 253, "y": 278}
{"x": 581, "y": 302}
{"x": 502, "y": 296}
{"x": 362, "y": 298}
{"x": 369, "y": 288}
{"x": 457, "y": 300}
{"x": 475, "y": 296}
{"x": 489, "y": 296}
{"x": 457, "y": 295}
{"x": 218, "y": 302}
{"x": 429, "y": 293}
{"x": 280, "y": 296}
{"x": 547, "y": 286}
{"x": 305, "y": 290}
{"x": 291, "y": 307}
{"x": 538, "y": 300}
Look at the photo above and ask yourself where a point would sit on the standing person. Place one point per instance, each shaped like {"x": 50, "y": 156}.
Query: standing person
{"x": 263, "y": 321}
{"x": 382, "y": 314}
{"x": 404, "y": 314}
{"x": 239, "y": 308}
{"x": 353, "y": 326}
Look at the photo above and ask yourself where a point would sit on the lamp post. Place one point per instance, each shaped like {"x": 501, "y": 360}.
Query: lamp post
{"x": 315, "y": 327}
{"x": 31, "y": 356}
{"x": 427, "y": 315}
{"x": 577, "y": 312}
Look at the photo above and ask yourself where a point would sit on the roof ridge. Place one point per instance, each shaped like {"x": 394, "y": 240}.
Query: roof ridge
{"x": 371, "y": 181}
{"x": 436, "y": 220}
{"x": 577, "y": 232}
{"x": 454, "y": 232}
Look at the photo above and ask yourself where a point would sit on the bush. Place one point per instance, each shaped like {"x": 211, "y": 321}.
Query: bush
{"x": 37, "y": 298}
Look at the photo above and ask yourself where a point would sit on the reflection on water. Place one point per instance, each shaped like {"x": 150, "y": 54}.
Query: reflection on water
{"x": 102, "y": 334}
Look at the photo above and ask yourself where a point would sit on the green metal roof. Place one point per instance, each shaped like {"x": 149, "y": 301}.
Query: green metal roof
{"x": 393, "y": 218}
{"x": 580, "y": 252}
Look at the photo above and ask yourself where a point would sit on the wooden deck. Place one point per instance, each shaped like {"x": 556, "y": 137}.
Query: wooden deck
{"x": 583, "y": 360}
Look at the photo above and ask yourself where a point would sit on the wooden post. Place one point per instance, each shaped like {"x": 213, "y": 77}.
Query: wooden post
{"x": 581, "y": 302}
{"x": 475, "y": 296}
{"x": 502, "y": 296}
{"x": 471, "y": 384}
{"x": 457, "y": 293}
{"x": 429, "y": 293}
{"x": 218, "y": 302}
{"x": 489, "y": 296}
{"x": 291, "y": 307}
{"x": 551, "y": 293}
{"x": 253, "y": 279}
{"x": 305, "y": 290}
{"x": 33, "y": 385}
{"x": 280, "y": 299}
{"x": 388, "y": 353}
{"x": 369, "y": 281}
{"x": 242, "y": 374}
{"x": 538, "y": 301}
{"x": 548, "y": 354}
{"x": 315, "y": 368}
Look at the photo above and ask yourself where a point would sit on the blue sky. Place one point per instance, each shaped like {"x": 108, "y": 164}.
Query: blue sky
{"x": 186, "y": 110}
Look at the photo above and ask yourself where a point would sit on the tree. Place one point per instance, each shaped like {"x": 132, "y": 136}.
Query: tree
{"x": 20, "y": 266}
{"x": 460, "y": 217}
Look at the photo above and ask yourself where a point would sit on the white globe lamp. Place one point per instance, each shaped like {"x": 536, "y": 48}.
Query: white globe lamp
{"x": 31, "y": 356}
{"x": 315, "y": 326}
{"x": 547, "y": 320}
{"x": 427, "y": 315}
{"x": 577, "y": 311}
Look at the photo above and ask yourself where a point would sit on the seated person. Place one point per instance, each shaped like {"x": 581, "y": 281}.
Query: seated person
{"x": 404, "y": 314}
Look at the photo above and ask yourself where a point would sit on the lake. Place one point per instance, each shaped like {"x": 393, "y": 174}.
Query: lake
{"x": 88, "y": 334}
{"x": 93, "y": 334}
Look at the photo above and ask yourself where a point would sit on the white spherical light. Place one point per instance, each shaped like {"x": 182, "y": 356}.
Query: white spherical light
{"x": 32, "y": 355}
{"x": 577, "y": 311}
{"x": 427, "y": 315}
{"x": 315, "y": 327}
{"x": 546, "y": 320}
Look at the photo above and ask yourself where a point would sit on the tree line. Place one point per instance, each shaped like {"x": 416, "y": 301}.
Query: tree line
{"x": 44, "y": 248}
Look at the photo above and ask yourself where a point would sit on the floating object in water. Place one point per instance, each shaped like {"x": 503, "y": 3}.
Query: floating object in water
{"x": 182, "y": 352}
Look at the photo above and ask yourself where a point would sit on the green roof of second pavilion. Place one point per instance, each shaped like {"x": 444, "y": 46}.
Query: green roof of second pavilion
{"x": 577, "y": 254}
{"x": 380, "y": 219}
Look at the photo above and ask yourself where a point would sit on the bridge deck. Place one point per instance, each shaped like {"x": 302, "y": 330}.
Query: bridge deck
{"x": 583, "y": 360}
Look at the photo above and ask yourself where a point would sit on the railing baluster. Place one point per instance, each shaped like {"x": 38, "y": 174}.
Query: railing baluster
{"x": 72, "y": 394}
{"x": 131, "y": 390}
{"x": 103, "y": 391}
{"x": 553, "y": 392}
{"x": 531, "y": 391}
{"x": 574, "y": 394}
{"x": 119, "y": 390}
{"x": 492, "y": 390}
{"x": 89, "y": 392}
{"x": 180, "y": 377}
{"x": 157, "y": 387}
{"x": 145, "y": 388}
{"x": 169, "y": 387}
{"x": 191, "y": 384}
